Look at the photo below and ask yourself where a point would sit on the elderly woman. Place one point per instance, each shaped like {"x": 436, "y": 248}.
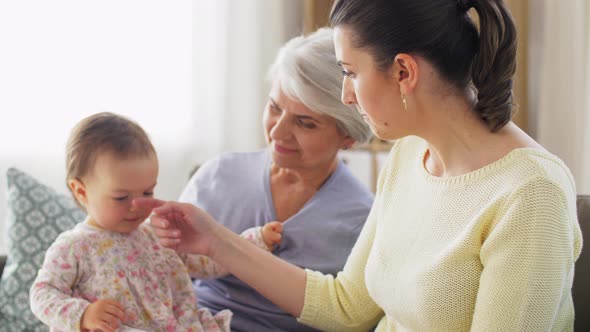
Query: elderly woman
{"x": 297, "y": 180}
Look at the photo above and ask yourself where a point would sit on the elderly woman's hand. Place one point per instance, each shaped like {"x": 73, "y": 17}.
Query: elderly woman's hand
{"x": 180, "y": 226}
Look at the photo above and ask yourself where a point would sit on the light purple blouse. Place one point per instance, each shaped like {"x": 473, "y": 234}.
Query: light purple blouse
{"x": 235, "y": 190}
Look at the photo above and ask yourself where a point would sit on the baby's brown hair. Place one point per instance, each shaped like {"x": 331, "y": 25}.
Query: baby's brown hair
{"x": 100, "y": 133}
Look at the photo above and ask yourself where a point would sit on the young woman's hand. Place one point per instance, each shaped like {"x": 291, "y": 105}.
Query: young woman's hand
{"x": 102, "y": 315}
{"x": 180, "y": 226}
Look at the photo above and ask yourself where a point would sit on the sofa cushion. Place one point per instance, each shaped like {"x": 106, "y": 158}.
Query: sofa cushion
{"x": 37, "y": 215}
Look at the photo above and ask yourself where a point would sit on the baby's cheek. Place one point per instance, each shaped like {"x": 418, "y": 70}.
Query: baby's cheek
{"x": 112, "y": 214}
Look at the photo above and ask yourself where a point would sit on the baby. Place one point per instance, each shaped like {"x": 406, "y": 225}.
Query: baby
{"x": 109, "y": 273}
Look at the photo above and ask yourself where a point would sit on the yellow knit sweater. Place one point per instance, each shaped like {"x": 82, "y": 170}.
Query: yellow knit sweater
{"x": 491, "y": 250}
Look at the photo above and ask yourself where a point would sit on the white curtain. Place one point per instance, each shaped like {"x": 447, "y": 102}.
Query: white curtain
{"x": 62, "y": 60}
{"x": 559, "y": 81}
{"x": 233, "y": 48}
{"x": 190, "y": 72}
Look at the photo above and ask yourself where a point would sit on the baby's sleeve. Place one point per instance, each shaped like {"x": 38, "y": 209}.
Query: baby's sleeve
{"x": 51, "y": 292}
{"x": 202, "y": 267}
{"x": 254, "y": 235}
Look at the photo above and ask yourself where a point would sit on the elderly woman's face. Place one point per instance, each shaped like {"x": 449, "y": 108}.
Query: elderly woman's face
{"x": 298, "y": 137}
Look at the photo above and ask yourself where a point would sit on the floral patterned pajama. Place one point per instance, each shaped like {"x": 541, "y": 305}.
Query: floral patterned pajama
{"x": 151, "y": 282}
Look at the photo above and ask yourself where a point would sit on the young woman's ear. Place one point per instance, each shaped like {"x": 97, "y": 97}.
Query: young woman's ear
{"x": 405, "y": 72}
{"x": 77, "y": 187}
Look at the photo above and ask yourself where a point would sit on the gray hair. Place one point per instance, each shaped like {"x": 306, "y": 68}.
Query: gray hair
{"x": 306, "y": 70}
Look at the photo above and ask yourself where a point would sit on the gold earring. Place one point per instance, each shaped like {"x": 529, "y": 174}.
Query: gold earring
{"x": 405, "y": 102}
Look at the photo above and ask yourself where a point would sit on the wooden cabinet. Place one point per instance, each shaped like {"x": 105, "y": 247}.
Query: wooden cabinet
{"x": 316, "y": 14}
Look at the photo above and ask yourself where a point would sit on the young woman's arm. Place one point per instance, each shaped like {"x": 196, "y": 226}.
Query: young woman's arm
{"x": 528, "y": 261}
{"x": 189, "y": 229}
{"x": 203, "y": 267}
{"x": 336, "y": 304}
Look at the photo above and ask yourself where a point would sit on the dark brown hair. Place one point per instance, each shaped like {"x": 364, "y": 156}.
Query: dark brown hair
{"x": 442, "y": 32}
{"x": 99, "y": 133}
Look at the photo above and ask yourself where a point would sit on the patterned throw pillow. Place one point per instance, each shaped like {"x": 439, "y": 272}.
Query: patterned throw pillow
{"x": 37, "y": 215}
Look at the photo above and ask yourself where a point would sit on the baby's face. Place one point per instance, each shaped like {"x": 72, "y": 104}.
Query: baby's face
{"x": 111, "y": 187}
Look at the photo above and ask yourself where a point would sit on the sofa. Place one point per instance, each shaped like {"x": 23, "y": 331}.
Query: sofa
{"x": 581, "y": 287}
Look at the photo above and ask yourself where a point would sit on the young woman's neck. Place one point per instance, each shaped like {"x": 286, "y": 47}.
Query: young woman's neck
{"x": 459, "y": 141}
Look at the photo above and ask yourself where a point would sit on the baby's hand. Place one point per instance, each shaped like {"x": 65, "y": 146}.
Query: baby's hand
{"x": 272, "y": 233}
{"x": 102, "y": 315}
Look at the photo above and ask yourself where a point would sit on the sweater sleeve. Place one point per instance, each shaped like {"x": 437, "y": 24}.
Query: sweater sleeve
{"x": 51, "y": 293}
{"x": 343, "y": 303}
{"x": 528, "y": 262}
{"x": 203, "y": 267}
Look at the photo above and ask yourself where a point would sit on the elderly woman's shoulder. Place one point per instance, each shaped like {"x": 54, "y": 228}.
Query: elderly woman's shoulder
{"x": 232, "y": 163}
{"x": 347, "y": 187}
{"x": 234, "y": 159}
{"x": 242, "y": 157}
